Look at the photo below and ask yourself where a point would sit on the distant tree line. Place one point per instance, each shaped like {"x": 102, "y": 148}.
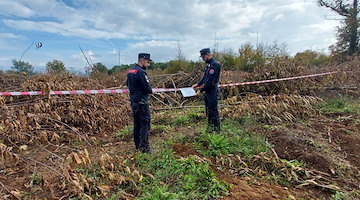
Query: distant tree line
{"x": 246, "y": 58}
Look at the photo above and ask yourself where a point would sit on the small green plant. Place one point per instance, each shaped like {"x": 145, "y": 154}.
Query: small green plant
{"x": 246, "y": 121}
{"x": 275, "y": 179}
{"x": 194, "y": 117}
{"x": 181, "y": 120}
{"x": 215, "y": 144}
{"x": 35, "y": 179}
{"x": 92, "y": 172}
{"x": 116, "y": 196}
{"x": 293, "y": 163}
{"x": 186, "y": 118}
{"x": 160, "y": 193}
{"x": 340, "y": 196}
{"x": 159, "y": 129}
{"x": 124, "y": 133}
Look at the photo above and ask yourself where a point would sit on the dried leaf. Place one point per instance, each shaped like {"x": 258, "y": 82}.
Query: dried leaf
{"x": 76, "y": 158}
{"x": 23, "y": 148}
{"x": 55, "y": 138}
{"x": 16, "y": 193}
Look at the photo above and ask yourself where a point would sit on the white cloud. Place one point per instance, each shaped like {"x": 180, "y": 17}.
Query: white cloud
{"x": 324, "y": 26}
{"x": 15, "y": 8}
{"x": 9, "y": 35}
{"x": 299, "y": 6}
{"x": 277, "y": 17}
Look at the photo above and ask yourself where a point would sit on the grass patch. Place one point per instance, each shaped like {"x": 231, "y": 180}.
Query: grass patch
{"x": 178, "y": 117}
{"x": 233, "y": 139}
{"x": 159, "y": 129}
{"x": 340, "y": 196}
{"x": 247, "y": 121}
{"x": 341, "y": 104}
{"x": 178, "y": 178}
{"x": 190, "y": 117}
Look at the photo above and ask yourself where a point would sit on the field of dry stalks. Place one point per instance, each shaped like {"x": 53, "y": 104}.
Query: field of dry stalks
{"x": 44, "y": 138}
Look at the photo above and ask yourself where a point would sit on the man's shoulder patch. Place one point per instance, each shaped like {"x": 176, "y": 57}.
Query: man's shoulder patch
{"x": 211, "y": 71}
{"x": 133, "y": 71}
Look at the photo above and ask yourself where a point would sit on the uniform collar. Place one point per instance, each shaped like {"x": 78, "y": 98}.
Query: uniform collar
{"x": 210, "y": 60}
{"x": 144, "y": 68}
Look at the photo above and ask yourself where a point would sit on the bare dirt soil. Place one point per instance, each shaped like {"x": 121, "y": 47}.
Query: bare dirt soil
{"x": 328, "y": 144}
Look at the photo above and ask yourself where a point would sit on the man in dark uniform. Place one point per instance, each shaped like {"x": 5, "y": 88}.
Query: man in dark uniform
{"x": 210, "y": 87}
{"x": 139, "y": 87}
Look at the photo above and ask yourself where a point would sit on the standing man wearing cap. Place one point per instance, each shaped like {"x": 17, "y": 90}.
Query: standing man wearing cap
{"x": 139, "y": 87}
{"x": 212, "y": 92}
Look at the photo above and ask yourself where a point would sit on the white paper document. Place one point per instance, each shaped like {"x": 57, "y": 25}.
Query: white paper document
{"x": 188, "y": 92}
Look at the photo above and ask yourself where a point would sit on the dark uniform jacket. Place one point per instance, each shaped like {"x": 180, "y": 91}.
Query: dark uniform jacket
{"x": 138, "y": 84}
{"x": 211, "y": 75}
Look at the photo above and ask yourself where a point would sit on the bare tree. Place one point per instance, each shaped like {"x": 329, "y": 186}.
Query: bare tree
{"x": 180, "y": 54}
{"x": 348, "y": 36}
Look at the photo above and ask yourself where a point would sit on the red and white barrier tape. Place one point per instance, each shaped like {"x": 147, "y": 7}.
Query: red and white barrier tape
{"x": 278, "y": 79}
{"x": 155, "y": 89}
{"x": 81, "y": 92}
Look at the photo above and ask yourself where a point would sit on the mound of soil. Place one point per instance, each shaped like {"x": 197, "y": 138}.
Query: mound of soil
{"x": 290, "y": 147}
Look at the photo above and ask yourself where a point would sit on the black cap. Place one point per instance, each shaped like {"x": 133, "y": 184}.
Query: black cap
{"x": 204, "y": 51}
{"x": 145, "y": 56}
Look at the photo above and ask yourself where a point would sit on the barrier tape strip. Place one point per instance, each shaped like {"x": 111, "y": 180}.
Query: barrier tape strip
{"x": 279, "y": 79}
{"x": 116, "y": 91}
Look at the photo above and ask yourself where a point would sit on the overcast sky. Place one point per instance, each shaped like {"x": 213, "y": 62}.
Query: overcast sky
{"x": 103, "y": 28}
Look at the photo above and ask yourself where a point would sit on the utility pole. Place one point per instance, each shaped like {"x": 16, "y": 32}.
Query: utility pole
{"x": 119, "y": 57}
